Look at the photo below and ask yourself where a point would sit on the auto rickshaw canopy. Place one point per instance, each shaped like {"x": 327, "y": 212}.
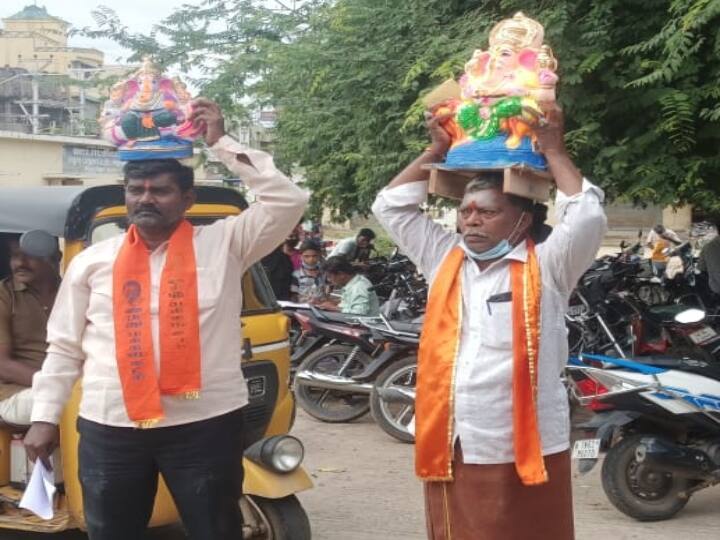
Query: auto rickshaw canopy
{"x": 66, "y": 211}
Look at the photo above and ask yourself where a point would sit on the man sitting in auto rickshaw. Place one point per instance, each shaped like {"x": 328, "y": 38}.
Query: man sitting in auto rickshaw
{"x": 26, "y": 298}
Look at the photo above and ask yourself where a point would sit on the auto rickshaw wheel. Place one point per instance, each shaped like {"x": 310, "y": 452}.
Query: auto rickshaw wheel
{"x": 274, "y": 519}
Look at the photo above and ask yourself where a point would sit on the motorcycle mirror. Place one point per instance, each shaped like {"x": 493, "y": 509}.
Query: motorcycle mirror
{"x": 38, "y": 243}
{"x": 690, "y": 316}
{"x": 623, "y": 244}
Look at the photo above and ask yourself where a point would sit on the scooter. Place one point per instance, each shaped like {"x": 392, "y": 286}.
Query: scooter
{"x": 662, "y": 437}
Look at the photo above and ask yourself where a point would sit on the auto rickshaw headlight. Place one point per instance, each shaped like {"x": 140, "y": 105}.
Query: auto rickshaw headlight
{"x": 281, "y": 453}
{"x": 285, "y": 453}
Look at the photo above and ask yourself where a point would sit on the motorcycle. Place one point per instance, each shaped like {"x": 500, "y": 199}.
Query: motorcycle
{"x": 662, "y": 436}
{"x": 341, "y": 347}
{"x": 392, "y": 400}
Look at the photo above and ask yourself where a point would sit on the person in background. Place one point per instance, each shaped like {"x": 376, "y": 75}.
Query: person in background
{"x": 709, "y": 260}
{"x": 26, "y": 299}
{"x": 290, "y": 247}
{"x": 356, "y": 295}
{"x": 308, "y": 282}
{"x": 659, "y": 239}
{"x": 279, "y": 269}
{"x": 356, "y": 248}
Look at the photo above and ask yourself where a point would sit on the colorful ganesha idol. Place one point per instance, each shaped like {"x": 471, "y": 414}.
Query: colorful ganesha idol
{"x": 501, "y": 89}
{"x": 147, "y": 117}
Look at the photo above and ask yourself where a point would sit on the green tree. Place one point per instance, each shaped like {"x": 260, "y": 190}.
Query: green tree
{"x": 639, "y": 83}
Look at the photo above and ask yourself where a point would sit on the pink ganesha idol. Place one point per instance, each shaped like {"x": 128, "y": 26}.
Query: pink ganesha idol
{"x": 498, "y": 102}
{"x": 147, "y": 117}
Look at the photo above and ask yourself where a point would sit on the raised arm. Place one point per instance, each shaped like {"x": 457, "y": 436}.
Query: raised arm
{"x": 279, "y": 204}
{"x": 581, "y": 221}
{"x": 397, "y": 207}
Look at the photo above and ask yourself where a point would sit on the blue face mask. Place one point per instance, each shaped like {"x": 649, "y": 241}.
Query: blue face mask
{"x": 502, "y": 248}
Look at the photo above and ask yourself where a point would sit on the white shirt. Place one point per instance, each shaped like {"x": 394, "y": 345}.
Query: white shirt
{"x": 346, "y": 246}
{"x": 483, "y": 376}
{"x": 653, "y": 237}
{"x": 81, "y": 332}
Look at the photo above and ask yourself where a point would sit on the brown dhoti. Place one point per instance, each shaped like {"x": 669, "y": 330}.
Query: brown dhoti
{"x": 488, "y": 502}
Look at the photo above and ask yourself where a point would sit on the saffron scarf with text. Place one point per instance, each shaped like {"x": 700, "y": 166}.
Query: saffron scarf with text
{"x": 438, "y": 352}
{"x": 179, "y": 325}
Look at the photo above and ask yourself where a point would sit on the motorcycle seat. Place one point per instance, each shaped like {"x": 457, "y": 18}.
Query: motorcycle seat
{"x": 664, "y": 314}
{"x": 410, "y": 327}
{"x": 345, "y": 318}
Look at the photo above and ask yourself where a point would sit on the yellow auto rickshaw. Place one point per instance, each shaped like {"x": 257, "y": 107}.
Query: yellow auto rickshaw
{"x": 81, "y": 216}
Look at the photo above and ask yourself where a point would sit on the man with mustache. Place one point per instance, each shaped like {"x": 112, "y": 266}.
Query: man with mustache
{"x": 151, "y": 322}
{"x": 26, "y": 298}
{"x": 492, "y": 422}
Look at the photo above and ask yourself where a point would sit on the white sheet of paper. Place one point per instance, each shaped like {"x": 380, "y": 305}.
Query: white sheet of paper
{"x": 38, "y": 496}
{"x": 288, "y": 304}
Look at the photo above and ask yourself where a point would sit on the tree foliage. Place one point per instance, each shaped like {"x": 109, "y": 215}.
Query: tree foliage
{"x": 639, "y": 83}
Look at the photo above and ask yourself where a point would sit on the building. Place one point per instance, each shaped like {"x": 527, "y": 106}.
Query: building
{"x": 37, "y": 67}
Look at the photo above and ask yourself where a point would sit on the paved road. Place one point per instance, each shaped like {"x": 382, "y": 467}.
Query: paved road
{"x": 365, "y": 490}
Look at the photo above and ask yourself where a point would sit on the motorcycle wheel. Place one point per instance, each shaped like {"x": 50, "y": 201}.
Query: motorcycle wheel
{"x": 274, "y": 519}
{"x": 393, "y": 418}
{"x": 649, "y": 495}
{"x": 334, "y": 406}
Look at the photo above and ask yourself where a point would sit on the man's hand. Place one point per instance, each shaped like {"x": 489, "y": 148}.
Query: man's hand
{"x": 439, "y": 138}
{"x": 551, "y": 142}
{"x": 207, "y": 113}
{"x": 550, "y": 132}
{"x": 41, "y": 441}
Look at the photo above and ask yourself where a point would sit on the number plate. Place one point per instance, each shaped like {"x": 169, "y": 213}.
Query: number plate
{"x": 704, "y": 334}
{"x": 256, "y": 387}
{"x": 586, "y": 449}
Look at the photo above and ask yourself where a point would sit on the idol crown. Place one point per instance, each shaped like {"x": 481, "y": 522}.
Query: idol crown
{"x": 518, "y": 32}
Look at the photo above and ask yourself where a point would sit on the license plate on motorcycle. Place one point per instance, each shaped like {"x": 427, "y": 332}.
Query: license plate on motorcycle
{"x": 701, "y": 336}
{"x": 586, "y": 449}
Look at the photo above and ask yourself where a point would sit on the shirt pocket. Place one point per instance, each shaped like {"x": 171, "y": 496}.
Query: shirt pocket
{"x": 209, "y": 282}
{"x": 496, "y": 328}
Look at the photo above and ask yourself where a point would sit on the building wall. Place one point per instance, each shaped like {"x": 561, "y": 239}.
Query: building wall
{"x": 41, "y": 160}
{"x": 42, "y": 45}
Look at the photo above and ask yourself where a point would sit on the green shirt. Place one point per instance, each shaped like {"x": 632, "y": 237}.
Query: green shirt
{"x": 358, "y": 298}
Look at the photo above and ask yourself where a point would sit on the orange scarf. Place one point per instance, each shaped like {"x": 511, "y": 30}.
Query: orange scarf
{"x": 179, "y": 325}
{"x": 439, "y": 347}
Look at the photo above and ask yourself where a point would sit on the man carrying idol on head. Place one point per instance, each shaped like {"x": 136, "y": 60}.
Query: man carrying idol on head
{"x": 492, "y": 422}
{"x": 149, "y": 321}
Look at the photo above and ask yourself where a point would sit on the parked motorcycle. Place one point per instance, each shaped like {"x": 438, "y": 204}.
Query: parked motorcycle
{"x": 662, "y": 434}
{"x": 392, "y": 400}
{"x": 341, "y": 347}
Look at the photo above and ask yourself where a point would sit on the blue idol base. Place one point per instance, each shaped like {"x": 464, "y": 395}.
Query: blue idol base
{"x": 493, "y": 154}
{"x": 165, "y": 148}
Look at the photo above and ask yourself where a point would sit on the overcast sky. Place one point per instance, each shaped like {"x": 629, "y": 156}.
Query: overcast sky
{"x": 139, "y": 15}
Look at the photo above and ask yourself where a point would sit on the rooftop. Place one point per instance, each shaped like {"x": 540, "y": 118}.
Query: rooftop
{"x": 34, "y": 13}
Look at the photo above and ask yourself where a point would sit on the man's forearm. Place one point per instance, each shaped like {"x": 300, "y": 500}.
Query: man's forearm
{"x": 17, "y": 371}
{"x": 568, "y": 177}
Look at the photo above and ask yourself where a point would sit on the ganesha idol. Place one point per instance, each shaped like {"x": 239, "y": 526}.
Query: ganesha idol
{"x": 498, "y": 103}
{"x": 148, "y": 117}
